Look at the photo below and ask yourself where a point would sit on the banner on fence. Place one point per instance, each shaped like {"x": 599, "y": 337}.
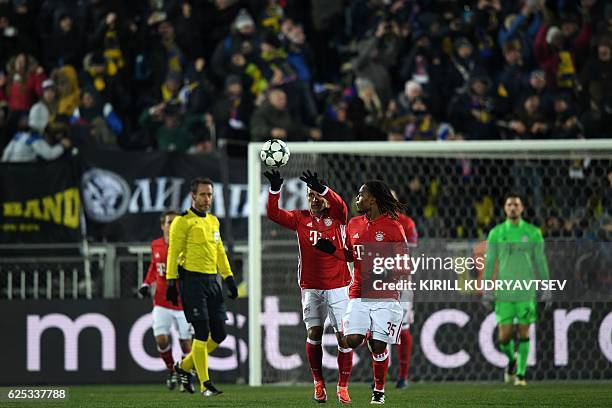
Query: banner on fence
{"x": 40, "y": 202}
{"x": 124, "y": 193}
{"x": 111, "y": 341}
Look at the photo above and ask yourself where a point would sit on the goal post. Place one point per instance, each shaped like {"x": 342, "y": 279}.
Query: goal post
{"x": 312, "y": 155}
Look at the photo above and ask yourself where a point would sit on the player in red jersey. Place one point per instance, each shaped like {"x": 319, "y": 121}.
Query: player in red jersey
{"x": 323, "y": 278}
{"x": 371, "y": 310}
{"x": 165, "y": 312}
{"x": 404, "y": 349}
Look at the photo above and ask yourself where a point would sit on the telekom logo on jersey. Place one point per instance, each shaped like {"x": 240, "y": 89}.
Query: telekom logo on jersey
{"x": 273, "y": 320}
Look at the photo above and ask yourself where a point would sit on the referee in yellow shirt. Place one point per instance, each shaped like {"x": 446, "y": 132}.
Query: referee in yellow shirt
{"x": 195, "y": 244}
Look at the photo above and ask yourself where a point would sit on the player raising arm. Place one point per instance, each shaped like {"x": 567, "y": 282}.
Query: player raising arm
{"x": 323, "y": 278}
{"x": 165, "y": 313}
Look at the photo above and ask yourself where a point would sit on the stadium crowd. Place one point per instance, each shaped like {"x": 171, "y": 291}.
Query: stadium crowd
{"x": 189, "y": 75}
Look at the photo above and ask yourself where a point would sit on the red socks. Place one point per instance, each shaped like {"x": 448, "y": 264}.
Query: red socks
{"x": 315, "y": 358}
{"x": 380, "y": 364}
{"x": 166, "y": 355}
{"x": 345, "y": 365}
{"x": 404, "y": 353}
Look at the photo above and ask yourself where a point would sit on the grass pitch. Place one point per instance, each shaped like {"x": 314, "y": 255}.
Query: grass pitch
{"x": 548, "y": 394}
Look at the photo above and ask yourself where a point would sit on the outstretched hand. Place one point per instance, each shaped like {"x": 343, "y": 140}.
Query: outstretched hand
{"x": 275, "y": 179}
{"x": 313, "y": 182}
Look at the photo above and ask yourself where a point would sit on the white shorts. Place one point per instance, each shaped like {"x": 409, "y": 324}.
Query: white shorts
{"x": 162, "y": 321}
{"x": 383, "y": 318}
{"x": 317, "y": 304}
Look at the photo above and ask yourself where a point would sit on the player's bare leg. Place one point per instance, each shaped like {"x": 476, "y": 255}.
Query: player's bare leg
{"x": 405, "y": 353}
{"x": 314, "y": 352}
{"x": 523, "y": 353}
{"x": 345, "y": 365}
{"x": 506, "y": 344}
{"x": 165, "y": 352}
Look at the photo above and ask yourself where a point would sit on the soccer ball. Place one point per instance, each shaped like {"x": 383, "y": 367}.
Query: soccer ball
{"x": 274, "y": 153}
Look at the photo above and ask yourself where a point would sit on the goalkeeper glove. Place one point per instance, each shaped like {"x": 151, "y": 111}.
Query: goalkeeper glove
{"x": 487, "y": 300}
{"x": 325, "y": 245}
{"x": 172, "y": 292}
{"x": 145, "y": 291}
{"x": 312, "y": 181}
{"x": 231, "y": 286}
{"x": 275, "y": 179}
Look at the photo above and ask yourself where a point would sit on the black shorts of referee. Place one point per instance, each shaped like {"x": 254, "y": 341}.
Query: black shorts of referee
{"x": 202, "y": 296}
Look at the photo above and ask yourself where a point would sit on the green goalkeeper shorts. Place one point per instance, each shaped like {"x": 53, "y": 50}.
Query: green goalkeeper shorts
{"x": 524, "y": 312}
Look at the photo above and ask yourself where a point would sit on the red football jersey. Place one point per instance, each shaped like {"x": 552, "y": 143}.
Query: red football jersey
{"x": 360, "y": 232}
{"x": 157, "y": 274}
{"x": 316, "y": 269}
{"x": 410, "y": 230}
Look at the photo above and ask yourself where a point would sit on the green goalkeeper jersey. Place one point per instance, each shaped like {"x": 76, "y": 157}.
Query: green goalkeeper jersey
{"x": 519, "y": 253}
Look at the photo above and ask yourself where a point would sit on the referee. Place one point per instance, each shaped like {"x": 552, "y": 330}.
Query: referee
{"x": 195, "y": 244}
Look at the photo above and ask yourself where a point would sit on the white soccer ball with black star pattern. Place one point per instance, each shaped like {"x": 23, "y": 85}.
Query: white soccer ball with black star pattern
{"x": 274, "y": 153}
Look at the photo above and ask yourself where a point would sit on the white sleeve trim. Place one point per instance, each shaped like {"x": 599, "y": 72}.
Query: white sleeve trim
{"x": 273, "y": 192}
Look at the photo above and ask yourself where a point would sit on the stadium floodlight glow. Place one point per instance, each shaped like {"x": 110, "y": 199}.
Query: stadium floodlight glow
{"x": 311, "y": 153}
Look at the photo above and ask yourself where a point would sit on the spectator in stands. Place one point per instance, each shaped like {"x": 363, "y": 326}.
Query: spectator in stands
{"x": 565, "y": 124}
{"x": 537, "y": 86}
{"x": 462, "y": 66}
{"x": 376, "y": 54}
{"x": 94, "y": 122}
{"x": 49, "y": 99}
{"x": 169, "y": 130}
{"x": 243, "y": 41}
{"x": 522, "y": 27}
{"x": 33, "y": 144}
{"x": 96, "y": 76}
{"x": 198, "y": 93}
{"x": 299, "y": 54}
{"x": 513, "y": 79}
{"x": 232, "y": 113}
{"x": 596, "y": 82}
{"x": 335, "y": 126}
{"x": 272, "y": 120}
{"x": 421, "y": 125}
{"x": 558, "y": 51}
{"x": 473, "y": 112}
{"x": 68, "y": 91}
{"x": 24, "y": 82}
{"x": 164, "y": 55}
{"x": 531, "y": 121}
{"x": 365, "y": 111}
{"x": 403, "y": 103}
{"x": 65, "y": 45}
{"x": 189, "y": 33}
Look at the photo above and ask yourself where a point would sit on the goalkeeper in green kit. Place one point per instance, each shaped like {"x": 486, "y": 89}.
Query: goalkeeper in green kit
{"x": 517, "y": 248}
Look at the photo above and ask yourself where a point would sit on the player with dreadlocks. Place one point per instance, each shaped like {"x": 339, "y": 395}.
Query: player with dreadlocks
{"x": 373, "y": 309}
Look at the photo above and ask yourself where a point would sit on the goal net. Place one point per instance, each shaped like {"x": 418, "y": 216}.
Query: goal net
{"x": 454, "y": 191}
